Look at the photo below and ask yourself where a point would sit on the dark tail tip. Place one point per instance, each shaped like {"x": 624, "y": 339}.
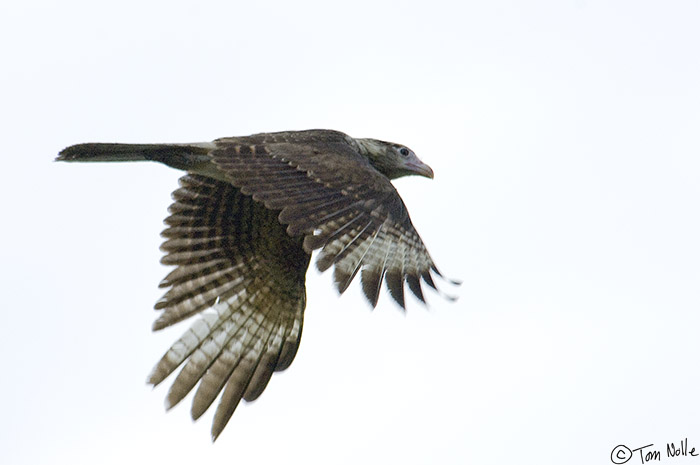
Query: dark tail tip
{"x": 67, "y": 154}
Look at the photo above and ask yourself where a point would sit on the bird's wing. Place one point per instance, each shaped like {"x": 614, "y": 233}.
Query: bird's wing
{"x": 240, "y": 269}
{"x": 331, "y": 195}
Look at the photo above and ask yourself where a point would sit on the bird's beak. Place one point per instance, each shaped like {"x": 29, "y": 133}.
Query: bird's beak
{"x": 421, "y": 169}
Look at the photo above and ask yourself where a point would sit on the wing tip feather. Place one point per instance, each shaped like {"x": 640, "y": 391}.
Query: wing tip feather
{"x": 395, "y": 282}
{"x": 372, "y": 284}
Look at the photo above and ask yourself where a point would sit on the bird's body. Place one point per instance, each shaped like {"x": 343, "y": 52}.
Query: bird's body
{"x": 241, "y": 232}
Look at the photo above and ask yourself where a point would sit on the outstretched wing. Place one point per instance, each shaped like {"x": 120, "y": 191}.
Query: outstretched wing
{"x": 330, "y": 194}
{"x": 240, "y": 269}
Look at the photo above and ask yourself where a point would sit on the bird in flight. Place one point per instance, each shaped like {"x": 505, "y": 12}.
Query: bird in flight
{"x": 241, "y": 230}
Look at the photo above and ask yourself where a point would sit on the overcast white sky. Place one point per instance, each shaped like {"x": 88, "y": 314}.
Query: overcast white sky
{"x": 565, "y": 140}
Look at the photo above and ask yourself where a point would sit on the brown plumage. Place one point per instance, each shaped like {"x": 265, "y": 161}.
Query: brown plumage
{"x": 241, "y": 232}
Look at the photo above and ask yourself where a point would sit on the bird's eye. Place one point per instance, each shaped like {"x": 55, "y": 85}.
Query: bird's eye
{"x": 404, "y": 151}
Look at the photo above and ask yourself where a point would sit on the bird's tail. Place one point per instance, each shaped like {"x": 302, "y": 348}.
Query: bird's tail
{"x": 181, "y": 156}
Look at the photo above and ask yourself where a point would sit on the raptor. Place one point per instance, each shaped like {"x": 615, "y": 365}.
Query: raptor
{"x": 247, "y": 216}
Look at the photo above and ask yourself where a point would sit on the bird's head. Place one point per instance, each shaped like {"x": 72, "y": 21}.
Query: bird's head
{"x": 393, "y": 160}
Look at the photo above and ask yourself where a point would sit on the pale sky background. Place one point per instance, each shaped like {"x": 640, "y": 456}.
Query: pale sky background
{"x": 565, "y": 140}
